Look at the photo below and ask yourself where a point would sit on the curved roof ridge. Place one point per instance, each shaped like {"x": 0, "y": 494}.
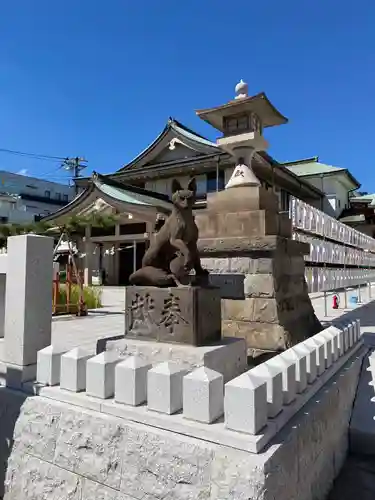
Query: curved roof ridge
{"x": 189, "y": 134}
{"x": 148, "y": 148}
{"x": 179, "y": 129}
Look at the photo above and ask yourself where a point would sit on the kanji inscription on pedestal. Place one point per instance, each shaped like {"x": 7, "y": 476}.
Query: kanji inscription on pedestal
{"x": 186, "y": 315}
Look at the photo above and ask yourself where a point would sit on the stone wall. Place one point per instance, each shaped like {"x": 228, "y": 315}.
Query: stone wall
{"x": 264, "y": 297}
{"x": 61, "y": 451}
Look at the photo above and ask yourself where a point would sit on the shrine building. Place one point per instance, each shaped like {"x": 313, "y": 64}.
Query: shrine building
{"x": 140, "y": 191}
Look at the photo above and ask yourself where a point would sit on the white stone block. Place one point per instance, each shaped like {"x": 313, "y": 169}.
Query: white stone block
{"x": 274, "y": 380}
{"x": 48, "y": 365}
{"x": 288, "y": 371}
{"x": 203, "y": 395}
{"x": 131, "y": 381}
{"x": 73, "y": 370}
{"x": 358, "y": 321}
{"x": 28, "y": 304}
{"x": 346, "y": 337}
{"x": 318, "y": 346}
{"x": 332, "y": 334}
{"x": 164, "y": 387}
{"x": 328, "y": 348}
{"x": 300, "y": 363}
{"x": 245, "y": 403}
{"x": 355, "y": 332}
{"x": 351, "y": 335}
{"x": 311, "y": 360}
{"x": 341, "y": 341}
{"x": 100, "y": 375}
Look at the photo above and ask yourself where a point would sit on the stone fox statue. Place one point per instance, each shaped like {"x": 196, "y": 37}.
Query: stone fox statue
{"x": 173, "y": 253}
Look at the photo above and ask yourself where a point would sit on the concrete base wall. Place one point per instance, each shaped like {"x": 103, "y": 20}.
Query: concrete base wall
{"x": 58, "y": 451}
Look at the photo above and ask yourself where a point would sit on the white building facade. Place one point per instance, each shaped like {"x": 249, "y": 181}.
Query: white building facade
{"x": 24, "y": 199}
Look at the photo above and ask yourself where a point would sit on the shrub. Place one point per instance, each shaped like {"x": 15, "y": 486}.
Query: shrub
{"x": 91, "y": 295}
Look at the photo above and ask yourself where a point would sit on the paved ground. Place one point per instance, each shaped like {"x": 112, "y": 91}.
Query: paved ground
{"x": 69, "y": 331}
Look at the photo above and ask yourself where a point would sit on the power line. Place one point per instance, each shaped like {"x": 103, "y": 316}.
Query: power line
{"x": 73, "y": 165}
{"x": 31, "y": 155}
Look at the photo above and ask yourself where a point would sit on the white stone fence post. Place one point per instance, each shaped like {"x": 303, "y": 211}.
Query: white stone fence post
{"x": 250, "y": 409}
{"x": 25, "y": 306}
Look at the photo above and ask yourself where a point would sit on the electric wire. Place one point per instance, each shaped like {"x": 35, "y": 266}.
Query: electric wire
{"x": 32, "y": 155}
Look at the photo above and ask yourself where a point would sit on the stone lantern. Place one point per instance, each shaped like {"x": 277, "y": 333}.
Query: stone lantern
{"x": 242, "y": 122}
{"x": 247, "y": 244}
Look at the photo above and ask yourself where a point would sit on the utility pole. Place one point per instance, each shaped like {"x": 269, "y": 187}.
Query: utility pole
{"x": 75, "y": 166}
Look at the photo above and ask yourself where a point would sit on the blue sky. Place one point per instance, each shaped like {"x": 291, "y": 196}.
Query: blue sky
{"x": 100, "y": 78}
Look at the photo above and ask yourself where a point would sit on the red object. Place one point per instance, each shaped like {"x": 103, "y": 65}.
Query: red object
{"x": 335, "y": 302}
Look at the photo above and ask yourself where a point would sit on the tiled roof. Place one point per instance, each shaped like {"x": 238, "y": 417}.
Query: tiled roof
{"x": 127, "y": 196}
{"x": 312, "y": 168}
{"x": 364, "y": 198}
{"x": 189, "y": 134}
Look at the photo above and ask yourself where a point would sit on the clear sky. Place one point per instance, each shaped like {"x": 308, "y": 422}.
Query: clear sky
{"x": 100, "y": 78}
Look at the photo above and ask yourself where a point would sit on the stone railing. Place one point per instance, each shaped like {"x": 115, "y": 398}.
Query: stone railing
{"x": 244, "y": 413}
{"x": 320, "y": 279}
{"x": 310, "y": 219}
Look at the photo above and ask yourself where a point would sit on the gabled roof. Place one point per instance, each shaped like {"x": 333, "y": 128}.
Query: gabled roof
{"x": 365, "y": 198}
{"x": 173, "y": 130}
{"x": 312, "y": 167}
{"x": 118, "y": 193}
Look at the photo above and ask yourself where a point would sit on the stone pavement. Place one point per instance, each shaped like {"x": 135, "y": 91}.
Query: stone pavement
{"x": 356, "y": 480}
{"x": 71, "y": 331}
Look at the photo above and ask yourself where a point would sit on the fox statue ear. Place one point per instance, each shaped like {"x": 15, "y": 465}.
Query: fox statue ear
{"x": 176, "y": 186}
{"x": 192, "y": 186}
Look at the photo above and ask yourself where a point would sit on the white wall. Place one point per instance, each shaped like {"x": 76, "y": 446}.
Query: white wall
{"x": 335, "y": 190}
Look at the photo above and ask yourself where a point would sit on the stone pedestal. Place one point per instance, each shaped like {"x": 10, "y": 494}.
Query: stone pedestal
{"x": 227, "y": 356}
{"x": 242, "y": 234}
{"x": 187, "y": 315}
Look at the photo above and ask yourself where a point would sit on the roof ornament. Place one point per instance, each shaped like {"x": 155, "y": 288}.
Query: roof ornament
{"x": 241, "y": 89}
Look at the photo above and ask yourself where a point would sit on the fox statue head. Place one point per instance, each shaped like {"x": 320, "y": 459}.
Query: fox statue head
{"x": 184, "y": 199}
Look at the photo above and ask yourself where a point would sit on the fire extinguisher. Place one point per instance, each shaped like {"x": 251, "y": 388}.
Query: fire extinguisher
{"x": 335, "y": 302}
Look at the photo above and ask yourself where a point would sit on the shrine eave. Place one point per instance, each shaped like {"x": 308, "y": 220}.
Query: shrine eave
{"x": 120, "y": 195}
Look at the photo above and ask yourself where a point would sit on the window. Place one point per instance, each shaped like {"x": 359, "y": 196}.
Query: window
{"x": 58, "y": 196}
{"x": 135, "y": 228}
{"x": 215, "y": 181}
{"x": 65, "y": 197}
{"x": 243, "y": 122}
{"x": 47, "y": 193}
{"x": 201, "y": 187}
{"x": 284, "y": 201}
